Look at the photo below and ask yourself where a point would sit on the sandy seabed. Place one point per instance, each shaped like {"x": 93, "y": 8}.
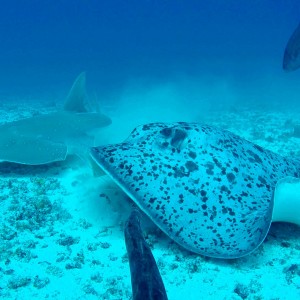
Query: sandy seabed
{"x": 61, "y": 228}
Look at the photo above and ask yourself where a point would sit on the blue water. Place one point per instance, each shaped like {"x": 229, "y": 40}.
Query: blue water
{"x": 147, "y": 60}
{"x": 45, "y": 44}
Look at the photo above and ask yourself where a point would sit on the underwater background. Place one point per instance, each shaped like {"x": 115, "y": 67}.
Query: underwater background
{"x": 215, "y": 62}
{"x": 210, "y": 43}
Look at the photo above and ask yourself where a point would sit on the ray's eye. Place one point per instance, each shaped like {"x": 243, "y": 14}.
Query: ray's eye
{"x": 166, "y": 132}
{"x": 178, "y": 138}
{"x": 173, "y": 137}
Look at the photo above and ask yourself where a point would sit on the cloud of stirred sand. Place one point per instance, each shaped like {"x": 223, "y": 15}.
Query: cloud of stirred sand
{"x": 179, "y": 100}
{"x": 192, "y": 98}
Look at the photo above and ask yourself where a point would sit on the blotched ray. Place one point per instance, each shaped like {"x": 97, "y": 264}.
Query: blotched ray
{"x": 210, "y": 190}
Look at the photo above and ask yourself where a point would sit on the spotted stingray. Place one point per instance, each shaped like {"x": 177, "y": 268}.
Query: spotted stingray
{"x": 209, "y": 190}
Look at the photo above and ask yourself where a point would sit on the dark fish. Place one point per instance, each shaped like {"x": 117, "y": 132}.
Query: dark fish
{"x": 146, "y": 281}
{"x": 296, "y": 133}
{"x": 291, "y": 58}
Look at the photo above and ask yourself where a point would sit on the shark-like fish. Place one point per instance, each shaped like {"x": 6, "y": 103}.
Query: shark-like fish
{"x": 291, "y": 58}
{"x": 51, "y": 137}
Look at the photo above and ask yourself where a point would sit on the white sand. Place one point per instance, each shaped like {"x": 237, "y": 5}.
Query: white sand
{"x": 78, "y": 250}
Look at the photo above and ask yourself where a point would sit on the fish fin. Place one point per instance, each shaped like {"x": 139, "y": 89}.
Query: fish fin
{"x": 77, "y": 97}
{"x": 33, "y": 151}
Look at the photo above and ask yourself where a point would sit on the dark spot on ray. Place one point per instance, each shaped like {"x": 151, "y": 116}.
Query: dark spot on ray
{"x": 254, "y": 157}
{"x": 260, "y": 149}
{"x": 230, "y": 177}
{"x": 262, "y": 180}
{"x": 209, "y": 168}
{"x": 191, "y": 166}
{"x": 231, "y": 212}
{"x": 235, "y": 154}
{"x": 192, "y": 191}
{"x": 218, "y": 164}
{"x": 179, "y": 231}
{"x": 179, "y": 172}
{"x": 203, "y": 193}
{"x": 224, "y": 189}
{"x": 244, "y": 194}
{"x": 109, "y": 151}
{"x": 192, "y": 154}
{"x": 146, "y": 127}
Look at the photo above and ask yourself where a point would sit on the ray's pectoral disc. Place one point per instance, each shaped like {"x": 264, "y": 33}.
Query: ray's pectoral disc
{"x": 208, "y": 189}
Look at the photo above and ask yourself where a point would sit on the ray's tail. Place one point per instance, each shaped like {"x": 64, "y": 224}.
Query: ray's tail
{"x": 146, "y": 280}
